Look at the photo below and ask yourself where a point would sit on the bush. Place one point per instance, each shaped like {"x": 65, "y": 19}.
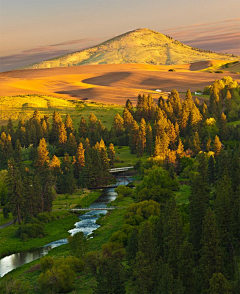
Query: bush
{"x": 124, "y": 191}
{"x": 46, "y": 217}
{"x": 172, "y": 69}
{"x": 57, "y": 280}
{"x": 32, "y": 230}
{"x": 218, "y": 71}
{"x": 12, "y": 286}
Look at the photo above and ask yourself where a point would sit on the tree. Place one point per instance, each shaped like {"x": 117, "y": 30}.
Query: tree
{"x": 14, "y": 180}
{"x": 43, "y": 158}
{"x": 69, "y": 124}
{"x": 149, "y": 139}
{"x": 110, "y": 277}
{"x": 134, "y": 136}
{"x": 142, "y": 138}
{"x": 219, "y": 284}
{"x": 71, "y": 146}
{"x": 82, "y": 129}
{"x": 118, "y": 125}
{"x": 62, "y": 138}
{"x": 211, "y": 254}
{"x": 79, "y": 160}
{"x": 217, "y": 146}
{"x": 111, "y": 153}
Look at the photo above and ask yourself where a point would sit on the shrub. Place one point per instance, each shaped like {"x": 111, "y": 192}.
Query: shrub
{"x": 218, "y": 71}
{"x": 46, "y": 217}
{"x": 57, "y": 280}
{"x": 31, "y": 230}
{"x": 10, "y": 286}
{"x": 172, "y": 69}
{"x": 46, "y": 263}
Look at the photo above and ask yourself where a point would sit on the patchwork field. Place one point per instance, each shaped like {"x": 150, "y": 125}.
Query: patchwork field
{"x": 108, "y": 83}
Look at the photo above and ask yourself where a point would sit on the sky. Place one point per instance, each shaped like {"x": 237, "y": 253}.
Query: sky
{"x": 36, "y": 30}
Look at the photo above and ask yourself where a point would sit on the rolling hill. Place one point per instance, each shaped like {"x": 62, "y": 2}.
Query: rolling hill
{"x": 142, "y": 46}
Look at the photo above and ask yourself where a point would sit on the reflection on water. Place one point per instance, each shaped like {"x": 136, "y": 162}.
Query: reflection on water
{"x": 87, "y": 225}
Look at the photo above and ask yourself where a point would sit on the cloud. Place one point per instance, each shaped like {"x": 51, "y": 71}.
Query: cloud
{"x": 221, "y": 36}
{"x": 40, "y": 53}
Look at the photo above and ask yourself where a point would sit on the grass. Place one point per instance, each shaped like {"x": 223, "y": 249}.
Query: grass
{"x": 55, "y": 230}
{"x": 81, "y": 198}
{"x": 126, "y": 158}
{"x": 182, "y": 195}
{"x": 19, "y": 107}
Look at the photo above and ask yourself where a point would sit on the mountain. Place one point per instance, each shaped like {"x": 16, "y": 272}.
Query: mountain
{"x": 141, "y": 46}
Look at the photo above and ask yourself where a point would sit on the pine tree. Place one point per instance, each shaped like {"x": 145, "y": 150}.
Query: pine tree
{"x": 69, "y": 124}
{"x": 80, "y": 160}
{"x": 219, "y": 285}
{"x": 18, "y": 151}
{"x": 111, "y": 153}
{"x": 211, "y": 170}
{"x": 142, "y": 138}
{"x": 62, "y": 138}
{"x": 224, "y": 134}
{"x": 55, "y": 164}
{"x": 149, "y": 139}
{"x": 198, "y": 204}
{"x": 129, "y": 106}
{"x": 217, "y": 146}
{"x": 173, "y": 235}
{"x": 71, "y": 146}
{"x": 82, "y": 129}
{"x": 15, "y": 195}
{"x": 56, "y": 122}
{"x": 134, "y": 137}
{"x": 211, "y": 254}
{"x": 128, "y": 120}
{"x": 43, "y": 158}
{"x": 118, "y": 125}
{"x": 104, "y": 155}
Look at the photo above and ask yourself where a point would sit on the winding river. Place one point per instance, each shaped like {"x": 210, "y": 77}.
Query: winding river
{"x": 87, "y": 224}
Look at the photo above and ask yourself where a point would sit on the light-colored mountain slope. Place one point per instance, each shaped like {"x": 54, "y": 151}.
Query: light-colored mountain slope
{"x": 142, "y": 46}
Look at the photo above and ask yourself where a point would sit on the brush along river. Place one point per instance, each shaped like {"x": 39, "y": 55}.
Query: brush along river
{"x": 87, "y": 225}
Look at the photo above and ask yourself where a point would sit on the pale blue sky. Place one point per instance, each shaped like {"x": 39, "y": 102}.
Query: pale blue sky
{"x": 30, "y": 24}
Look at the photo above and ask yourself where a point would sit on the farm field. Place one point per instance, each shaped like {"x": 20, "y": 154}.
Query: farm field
{"x": 109, "y": 83}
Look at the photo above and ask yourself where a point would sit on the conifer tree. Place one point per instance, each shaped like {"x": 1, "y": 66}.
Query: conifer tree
{"x": 42, "y": 158}
{"x": 217, "y": 146}
{"x": 111, "y": 153}
{"x": 55, "y": 163}
{"x": 129, "y": 106}
{"x": 104, "y": 155}
{"x": 223, "y": 127}
{"x": 71, "y": 145}
{"x": 56, "y": 122}
{"x": 69, "y": 124}
{"x": 218, "y": 284}
{"x": 18, "y": 151}
{"x": 118, "y": 125}
{"x": 62, "y": 138}
{"x": 142, "y": 138}
{"x": 80, "y": 160}
{"x": 82, "y": 129}
{"x": 134, "y": 137}
{"x": 149, "y": 139}
{"x": 128, "y": 120}
{"x": 15, "y": 195}
{"x": 211, "y": 254}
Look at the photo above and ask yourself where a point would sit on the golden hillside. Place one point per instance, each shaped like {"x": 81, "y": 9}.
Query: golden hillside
{"x": 142, "y": 46}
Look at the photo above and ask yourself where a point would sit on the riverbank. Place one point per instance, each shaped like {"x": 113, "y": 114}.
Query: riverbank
{"x": 110, "y": 223}
{"x": 55, "y": 230}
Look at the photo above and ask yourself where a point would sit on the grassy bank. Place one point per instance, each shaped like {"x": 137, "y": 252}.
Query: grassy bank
{"x": 5, "y": 220}
{"x": 81, "y": 198}
{"x": 55, "y": 230}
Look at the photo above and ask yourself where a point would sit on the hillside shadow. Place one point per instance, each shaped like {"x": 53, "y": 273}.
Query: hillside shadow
{"x": 107, "y": 79}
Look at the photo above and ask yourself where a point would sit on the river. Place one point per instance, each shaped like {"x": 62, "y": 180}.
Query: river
{"x": 87, "y": 224}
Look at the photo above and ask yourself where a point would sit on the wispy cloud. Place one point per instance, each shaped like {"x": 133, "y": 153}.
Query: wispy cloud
{"x": 40, "y": 53}
{"x": 221, "y": 36}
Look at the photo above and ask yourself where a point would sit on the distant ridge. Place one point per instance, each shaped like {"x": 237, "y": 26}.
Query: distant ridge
{"x": 142, "y": 46}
